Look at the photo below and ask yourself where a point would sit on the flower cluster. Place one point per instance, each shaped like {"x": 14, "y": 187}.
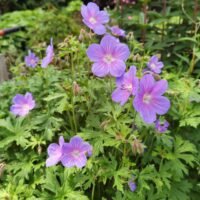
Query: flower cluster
{"x": 109, "y": 58}
{"x": 31, "y": 60}
{"x": 96, "y": 20}
{"x": 23, "y": 104}
{"x": 69, "y": 154}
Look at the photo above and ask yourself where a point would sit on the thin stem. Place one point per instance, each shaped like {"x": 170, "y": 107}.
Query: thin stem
{"x": 70, "y": 120}
{"x": 73, "y": 93}
{"x": 72, "y": 67}
{"x": 93, "y": 190}
{"x": 164, "y": 3}
{"x": 161, "y": 164}
{"x": 144, "y": 9}
{"x": 193, "y": 61}
{"x": 74, "y": 119}
{"x": 110, "y": 83}
{"x": 186, "y": 14}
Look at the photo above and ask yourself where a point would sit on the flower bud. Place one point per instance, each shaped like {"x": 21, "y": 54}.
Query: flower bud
{"x": 76, "y": 88}
{"x": 137, "y": 147}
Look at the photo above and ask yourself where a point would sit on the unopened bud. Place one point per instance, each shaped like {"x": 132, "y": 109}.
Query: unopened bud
{"x": 104, "y": 123}
{"x": 137, "y": 147}
{"x": 76, "y": 88}
{"x": 39, "y": 149}
{"x": 2, "y": 167}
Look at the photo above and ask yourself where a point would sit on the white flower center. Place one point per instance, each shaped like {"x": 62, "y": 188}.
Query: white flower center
{"x": 25, "y": 107}
{"x": 147, "y": 98}
{"x": 128, "y": 87}
{"x": 153, "y": 66}
{"x": 32, "y": 61}
{"x": 108, "y": 59}
{"x": 92, "y": 20}
{"x": 76, "y": 153}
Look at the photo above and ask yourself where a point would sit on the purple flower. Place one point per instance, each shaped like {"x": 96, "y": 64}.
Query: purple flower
{"x": 94, "y": 18}
{"x": 109, "y": 57}
{"x": 149, "y": 100}
{"x": 22, "y": 104}
{"x": 31, "y": 60}
{"x": 127, "y": 85}
{"x": 49, "y": 55}
{"x": 55, "y": 152}
{"x": 75, "y": 152}
{"x": 161, "y": 126}
{"x": 155, "y": 65}
{"x": 132, "y": 186}
{"x": 117, "y": 31}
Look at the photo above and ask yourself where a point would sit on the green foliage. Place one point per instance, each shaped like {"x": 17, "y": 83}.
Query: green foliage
{"x": 169, "y": 27}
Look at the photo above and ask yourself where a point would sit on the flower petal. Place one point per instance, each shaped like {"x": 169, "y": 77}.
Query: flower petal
{"x": 119, "y": 80}
{"x": 160, "y": 87}
{"x": 147, "y": 82}
{"x": 76, "y": 141}
{"x": 147, "y": 112}
{"x": 84, "y": 11}
{"x": 86, "y": 147}
{"x": 18, "y": 99}
{"x": 103, "y": 17}
{"x": 108, "y": 44}
{"x": 117, "y": 68}
{"x": 67, "y": 160}
{"x": 148, "y": 115}
{"x": 54, "y": 150}
{"x": 120, "y": 96}
{"x": 19, "y": 110}
{"x": 61, "y": 141}
{"x": 137, "y": 103}
{"x": 99, "y": 29}
{"x": 94, "y": 52}
{"x": 130, "y": 78}
{"x": 121, "y": 52}
{"x": 92, "y": 8}
{"x": 161, "y": 105}
{"x": 100, "y": 69}
{"x": 81, "y": 161}
{"x": 53, "y": 160}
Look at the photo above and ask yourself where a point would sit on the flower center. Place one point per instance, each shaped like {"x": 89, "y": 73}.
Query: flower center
{"x": 32, "y": 61}
{"x": 147, "y": 98}
{"x": 108, "y": 59}
{"x": 92, "y": 20}
{"x": 25, "y": 107}
{"x": 76, "y": 153}
{"x": 128, "y": 87}
{"x": 153, "y": 66}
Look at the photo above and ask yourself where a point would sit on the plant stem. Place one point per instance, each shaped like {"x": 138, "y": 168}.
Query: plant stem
{"x": 144, "y": 9}
{"x": 93, "y": 190}
{"x": 70, "y": 120}
{"x": 73, "y": 93}
{"x": 74, "y": 116}
{"x": 193, "y": 61}
{"x": 164, "y": 3}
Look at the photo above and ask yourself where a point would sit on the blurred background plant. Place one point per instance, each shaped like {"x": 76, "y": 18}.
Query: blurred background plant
{"x": 40, "y": 24}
